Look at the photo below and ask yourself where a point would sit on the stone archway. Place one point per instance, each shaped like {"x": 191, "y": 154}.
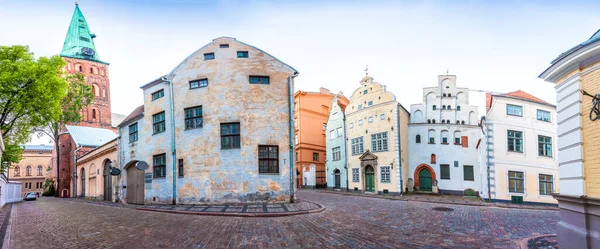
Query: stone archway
{"x": 368, "y": 164}
{"x": 418, "y": 170}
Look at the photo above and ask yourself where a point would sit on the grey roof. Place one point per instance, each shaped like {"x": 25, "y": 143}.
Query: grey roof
{"x": 38, "y": 147}
{"x": 90, "y": 136}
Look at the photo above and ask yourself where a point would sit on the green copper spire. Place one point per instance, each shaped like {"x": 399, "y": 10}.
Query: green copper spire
{"x": 79, "y": 42}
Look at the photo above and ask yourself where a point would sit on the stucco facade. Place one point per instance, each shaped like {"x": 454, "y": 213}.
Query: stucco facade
{"x": 93, "y": 171}
{"x": 376, "y": 146}
{"x": 443, "y": 141}
{"x": 573, "y": 72}
{"x": 33, "y": 169}
{"x": 229, "y": 101}
{"x": 529, "y": 169}
{"x": 311, "y": 111}
{"x": 336, "y": 164}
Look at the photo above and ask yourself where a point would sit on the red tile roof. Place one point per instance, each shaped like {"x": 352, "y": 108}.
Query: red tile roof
{"x": 138, "y": 111}
{"x": 523, "y": 95}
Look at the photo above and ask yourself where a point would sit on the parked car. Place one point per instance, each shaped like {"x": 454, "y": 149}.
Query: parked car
{"x": 31, "y": 196}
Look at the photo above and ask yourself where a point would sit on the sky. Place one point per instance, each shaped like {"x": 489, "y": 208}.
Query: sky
{"x": 496, "y": 46}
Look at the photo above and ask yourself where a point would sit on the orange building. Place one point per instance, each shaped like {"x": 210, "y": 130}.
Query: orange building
{"x": 310, "y": 119}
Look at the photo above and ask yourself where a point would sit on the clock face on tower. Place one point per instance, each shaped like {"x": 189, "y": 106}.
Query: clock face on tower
{"x": 87, "y": 51}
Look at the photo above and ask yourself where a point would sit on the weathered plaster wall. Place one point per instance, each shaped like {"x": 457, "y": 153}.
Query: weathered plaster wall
{"x": 93, "y": 163}
{"x": 132, "y": 151}
{"x": 591, "y": 132}
{"x": 212, "y": 174}
{"x": 364, "y": 119}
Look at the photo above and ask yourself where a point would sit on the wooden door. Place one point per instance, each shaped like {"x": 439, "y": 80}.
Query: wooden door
{"x": 337, "y": 179}
{"x": 425, "y": 180}
{"x": 107, "y": 183}
{"x": 369, "y": 179}
{"x": 135, "y": 186}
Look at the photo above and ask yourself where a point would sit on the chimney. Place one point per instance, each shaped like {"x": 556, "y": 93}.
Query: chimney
{"x": 324, "y": 90}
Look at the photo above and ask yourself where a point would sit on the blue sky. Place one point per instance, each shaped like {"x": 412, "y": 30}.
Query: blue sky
{"x": 498, "y": 46}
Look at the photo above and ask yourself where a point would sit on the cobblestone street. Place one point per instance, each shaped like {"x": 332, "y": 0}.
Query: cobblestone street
{"x": 348, "y": 222}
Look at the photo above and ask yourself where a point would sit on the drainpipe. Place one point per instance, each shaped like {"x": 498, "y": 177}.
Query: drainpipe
{"x": 399, "y": 148}
{"x": 487, "y": 153}
{"x": 291, "y": 131}
{"x": 173, "y": 150}
{"x": 119, "y": 161}
{"x": 75, "y": 171}
{"x": 346, "y": 151}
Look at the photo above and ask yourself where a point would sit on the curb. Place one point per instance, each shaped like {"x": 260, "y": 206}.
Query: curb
{"x": 524, "y": 242}
{"x": 280, "y": 214}
{"x": 426, "y": 201}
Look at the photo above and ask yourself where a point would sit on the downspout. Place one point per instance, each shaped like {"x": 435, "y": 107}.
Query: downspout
{"x": 291, "y": 132}
{"x": 119, "y": 161}
{"x": 487, "y": 153}
{"x": 173, "y": 150}
{"x": 399, "y": 147}
{"x": 346, "y": 152}
{"x": 75, "y": 171}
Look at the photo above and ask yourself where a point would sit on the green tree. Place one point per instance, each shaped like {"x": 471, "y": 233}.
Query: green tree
{"x": 31, "y": 91}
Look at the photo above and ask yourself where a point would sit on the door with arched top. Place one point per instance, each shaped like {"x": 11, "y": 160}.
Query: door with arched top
{"x": 82, "y": 182}
{"x": 107, "y": 181}
{"x": 425, "y": 180}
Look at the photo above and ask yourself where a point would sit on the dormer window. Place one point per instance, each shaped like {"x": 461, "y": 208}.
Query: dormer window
{"x": 209, "y": 56}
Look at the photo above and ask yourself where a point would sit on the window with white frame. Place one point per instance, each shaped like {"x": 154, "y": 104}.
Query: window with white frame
{"x": 331, "y": 134}
{"x": 336, "y": 153}
{"x": 379, "y": 142}
{"x": 357, "y": 145}
{"x": 370, "y": 119}
{"x": 385, "y": 174}
{"x": 339, "y": 132}
{"x": 516, "y": 182}
{"x": 360, "y": 122}
{"x": 355, "y": 175}
{"x": 546, "y": 184}
{"x": 382, "y": 116}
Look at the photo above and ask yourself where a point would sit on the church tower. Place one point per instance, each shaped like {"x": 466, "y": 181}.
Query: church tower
{"x": 80, "y": 53}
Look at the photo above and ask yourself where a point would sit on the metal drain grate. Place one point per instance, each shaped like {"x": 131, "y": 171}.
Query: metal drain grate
{"x": 445, "y": 209}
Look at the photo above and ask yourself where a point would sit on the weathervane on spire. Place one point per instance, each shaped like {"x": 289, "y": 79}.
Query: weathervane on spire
{"x": 447, "y": 71}
{"x": 76, "y": 3}
{"x": 367, "y": 70}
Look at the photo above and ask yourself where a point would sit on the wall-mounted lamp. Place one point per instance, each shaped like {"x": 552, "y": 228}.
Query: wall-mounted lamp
{"x": 595, "y": 111}
{"x": 392, "y": 164}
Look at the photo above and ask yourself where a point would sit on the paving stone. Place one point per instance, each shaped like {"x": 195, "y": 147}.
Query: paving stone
{"x": 348, "y": 222}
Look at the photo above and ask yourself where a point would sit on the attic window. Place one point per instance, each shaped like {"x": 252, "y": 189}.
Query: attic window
{"x": 83, "y": 27}
{"x": 209, "y": 56}
{"x": 80, "y": 20}
{"x": 84, "y": 39}
{"x": 242, "y": 54}
{"x": 223, "y": 45}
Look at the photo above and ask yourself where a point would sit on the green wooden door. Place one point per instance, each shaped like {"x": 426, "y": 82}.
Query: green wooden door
{"x": 425, "y": 180}
{"x": 369, "y": 179}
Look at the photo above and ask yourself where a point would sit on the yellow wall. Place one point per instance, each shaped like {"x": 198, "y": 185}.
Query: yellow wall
{"x": 591, "y": 135}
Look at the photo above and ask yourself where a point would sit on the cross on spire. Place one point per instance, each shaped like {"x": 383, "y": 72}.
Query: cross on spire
{"x": 367, "y": 70}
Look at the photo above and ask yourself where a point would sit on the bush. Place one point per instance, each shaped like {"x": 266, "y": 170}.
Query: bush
{"x": 470, "y": 192}
{"x": 49, "y": 186}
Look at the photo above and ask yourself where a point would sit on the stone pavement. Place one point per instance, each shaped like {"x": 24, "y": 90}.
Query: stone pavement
{"x": 348, "y": 222}
{"x": 447, "y": 199}
{"x": 241, "y": 210}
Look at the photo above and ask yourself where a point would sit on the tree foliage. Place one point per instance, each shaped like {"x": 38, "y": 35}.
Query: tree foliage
{"x": 30, "y": 94}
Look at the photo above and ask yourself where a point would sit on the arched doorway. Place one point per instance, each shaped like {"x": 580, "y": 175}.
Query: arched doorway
{"x": 82, "y": 182}
{"x": 338, "y": 179}
{"x": 425, "y": 182}
{"x": 369, "y": 179}
{"x": 107, "y": 181}
{"x": 135, "y": 184}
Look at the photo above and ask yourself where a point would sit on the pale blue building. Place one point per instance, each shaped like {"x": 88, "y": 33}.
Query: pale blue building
{"x": 337, "y": 170}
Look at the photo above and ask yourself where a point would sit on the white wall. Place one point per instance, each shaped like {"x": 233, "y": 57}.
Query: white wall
{"x": 529, "y": 161}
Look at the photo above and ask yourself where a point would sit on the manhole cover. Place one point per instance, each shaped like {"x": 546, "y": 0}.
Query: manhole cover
{"x": 445, "y": 209}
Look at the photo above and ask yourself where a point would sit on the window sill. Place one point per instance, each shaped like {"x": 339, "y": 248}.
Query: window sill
{"x": 445, "y": 143}
{"x": 431, "y": 143}
{"x": 192, "y": 88}
{"x": 469, "y": 180}
{"x": 516, "y": 193}
{"x": 444, "y": 178}
{"x": 195, "y": 128}
{"x": 519, "y": 152}
{"x": 514, "y": 115}
{"x": 158, "y": 178}
{"x": 236, "y": 148}
{"x": 542, "y": 156}
{"x": 269, "y": 174}
{"x": 157, "y": 133}
{"x": 545, "y": 121}
{"x": 457, "y": 143}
